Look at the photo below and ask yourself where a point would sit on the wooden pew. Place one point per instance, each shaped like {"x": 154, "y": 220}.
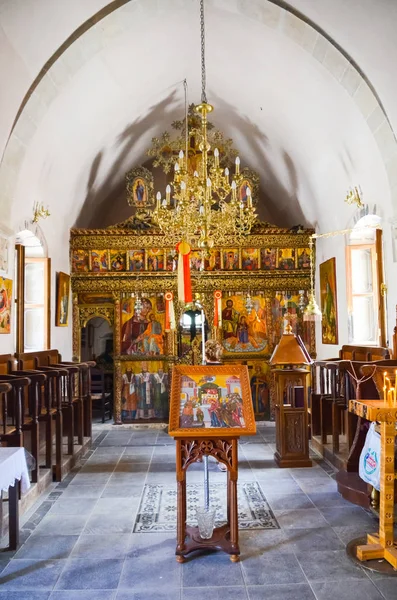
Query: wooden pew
{"x": 359, "y": 384}
{"x": 19, "y": 416}
{"x": 329, "y": 414}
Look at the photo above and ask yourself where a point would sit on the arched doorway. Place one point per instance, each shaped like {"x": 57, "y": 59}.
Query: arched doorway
{"x": 97, "y": 341}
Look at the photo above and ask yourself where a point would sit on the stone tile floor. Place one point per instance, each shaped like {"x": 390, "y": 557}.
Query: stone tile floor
{"x": 78, "y": 542}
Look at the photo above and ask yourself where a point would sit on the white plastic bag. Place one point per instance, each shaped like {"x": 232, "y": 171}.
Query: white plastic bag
{"x": 369, "y": 465}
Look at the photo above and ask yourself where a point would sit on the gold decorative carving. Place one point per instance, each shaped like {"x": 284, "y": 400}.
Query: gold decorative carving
{"x": 117, "y": 393}
{"x": 194, "y": 450}
{"x": 89, "y": 312}
{"x": 76, "y": 340}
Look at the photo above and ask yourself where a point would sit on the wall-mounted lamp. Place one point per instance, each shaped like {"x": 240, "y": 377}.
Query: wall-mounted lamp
{"x": 354, "y": 196}
{"x": 39, "y": 212}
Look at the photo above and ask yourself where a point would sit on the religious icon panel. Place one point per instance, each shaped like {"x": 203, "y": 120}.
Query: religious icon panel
{"x": 136, "y": 260}
{"x": 211, "y": 400}
{"x": 249, "y": 259}
{"x": 80, "y": 261}
{"x": 286, "y": 259}
{"x": 230, "y": 259}
{"x": 155, "y": 259}
{"x": 303, "y": 258}
{"x": 144, "y": 391}
{"x": 268, "y": 258}
{"x": 212, "y": 262}
{"x": 118, "y": 260}
{"x": 142, "y": 325}
{"x": 196, "y": 260}
{"x": 244, "y": 330}
{"x": 99, "y": 261}
{"x": 5, "y": 304}
{"x": 171, "y": 260}
{"x": 329, "y": 323}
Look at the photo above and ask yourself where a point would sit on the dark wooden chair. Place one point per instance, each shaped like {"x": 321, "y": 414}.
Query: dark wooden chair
{"x": 19, "y": 416}
{"x": 64, "y": 397}
{"x": 99, "y": 394}
{"x": 72, "y": 400}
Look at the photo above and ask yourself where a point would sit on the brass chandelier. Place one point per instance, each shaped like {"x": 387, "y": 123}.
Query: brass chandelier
{"x": 202, "y": 206}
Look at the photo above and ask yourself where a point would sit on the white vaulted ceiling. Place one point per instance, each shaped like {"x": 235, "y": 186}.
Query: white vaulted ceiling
{"x": 307, "y": 94}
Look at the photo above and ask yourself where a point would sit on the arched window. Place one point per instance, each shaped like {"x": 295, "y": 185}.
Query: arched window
{"x": 364, "y": 261}
{"x": 32, "y": 293}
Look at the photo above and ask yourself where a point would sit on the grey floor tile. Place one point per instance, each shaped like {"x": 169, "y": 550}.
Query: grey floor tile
{"x": 110, "y": 545}
{"x": 99, "y": 523}
{"x": 272, "y": 569}
{"x": 148, "y": 573}
{"x": 47, "y": 547}
{"x": 134, "y": 467}
{"x": 300, "y": 518}
{"x": 282, "y": 486}
{"x": 24, "y": 595}
{"x": 167, "y": 593}
{"x": 282, "y": 501}
{"x": 347, "y": 534}
{"x": 347, "y": 590}
{"x": 121, "y": 478}
{"x": 91, "y": 574}
{"x": 388, "y": 587}
{"x": 203, "y": 571}
{"x": 62, "y": 525}
{"x": 215, "y": 593}
{"x": 115, "y": 505}
{"x": 91, "y": 479}
{"x": 296, "y": 591}
{"x": 122, "y": 490}
{"x": 35, "y": 575}
{"x": 73, "y": 506}
{"x": 261, "y": 542}
{"x": 329, "y": 565}
{"x": 313, "y": 540}
{"x": 83, "y": 595}
{"x": 349, "y": 516}
{"x": 331, "y": 499}
{"x": 83, "y": 491}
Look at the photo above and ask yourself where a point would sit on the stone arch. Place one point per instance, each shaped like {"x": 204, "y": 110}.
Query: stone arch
{"x": 272, "y": 13}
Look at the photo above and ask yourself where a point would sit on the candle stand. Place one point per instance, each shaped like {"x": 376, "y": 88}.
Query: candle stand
{"x": 225, "y": 537}
{"x": 382, "y": 544}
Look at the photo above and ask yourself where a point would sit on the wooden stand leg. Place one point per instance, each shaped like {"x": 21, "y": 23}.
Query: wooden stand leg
{"x": 382, "y": 545}
{"x": 13, "y": 515}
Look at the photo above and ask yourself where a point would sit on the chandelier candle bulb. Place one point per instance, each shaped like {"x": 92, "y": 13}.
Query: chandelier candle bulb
{"x": 216, "y": 157}
{"x": 176, "y": 167}
{"x": 168, "y": 194}
{"x": 234, "y": 190}
{"x": 195, "y": 174}
{"x": 227, "y": 174}
{"x": 237, "y": 165}
{"x": 249, "y": 199}
{"x": 158, "y": 198}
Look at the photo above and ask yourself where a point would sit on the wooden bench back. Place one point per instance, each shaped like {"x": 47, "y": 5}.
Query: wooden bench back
{"x": 32, "y": 360}
{"x": 364, "y": 353}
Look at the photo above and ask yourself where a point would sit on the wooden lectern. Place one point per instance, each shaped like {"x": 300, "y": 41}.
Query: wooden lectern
{"x": 291, "y": 401}
{"x": 211, "y": 407}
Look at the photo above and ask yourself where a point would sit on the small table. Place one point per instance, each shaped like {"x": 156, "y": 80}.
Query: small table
{"x": 13, "y": 468}
{"x": 382, "y": 544}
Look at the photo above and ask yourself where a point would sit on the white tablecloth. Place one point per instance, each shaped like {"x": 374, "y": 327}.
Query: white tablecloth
{"x": 13, "y": 466}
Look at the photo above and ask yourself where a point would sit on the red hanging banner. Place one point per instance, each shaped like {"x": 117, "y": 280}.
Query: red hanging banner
{"x": 184, "y": 281}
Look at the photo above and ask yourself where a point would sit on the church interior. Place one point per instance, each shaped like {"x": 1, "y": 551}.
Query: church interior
{"x": 198, "y": 301}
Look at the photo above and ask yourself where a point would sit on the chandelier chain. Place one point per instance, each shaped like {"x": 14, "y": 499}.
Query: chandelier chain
{"x": 203, "y": 73}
